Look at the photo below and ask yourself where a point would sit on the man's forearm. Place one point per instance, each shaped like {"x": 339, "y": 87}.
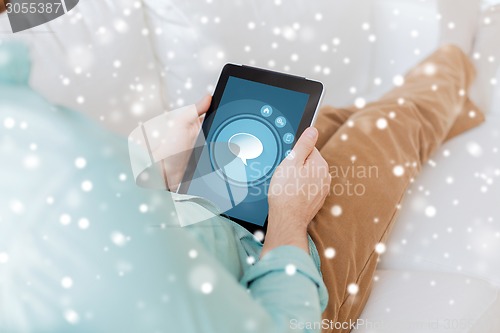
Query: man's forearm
{"x": 284, "y": 233}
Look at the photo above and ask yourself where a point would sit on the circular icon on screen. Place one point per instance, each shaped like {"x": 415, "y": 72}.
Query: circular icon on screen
{"x": 253, "y": 145}
{"x": 266, "y": 111}
{"x": 280, "y": 122}
{"x": 288, "y": 138}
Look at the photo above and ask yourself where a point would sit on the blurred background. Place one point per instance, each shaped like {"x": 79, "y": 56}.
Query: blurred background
{"x": 123, "y": 61}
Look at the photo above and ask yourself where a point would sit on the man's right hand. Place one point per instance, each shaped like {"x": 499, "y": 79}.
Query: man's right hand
{"x": 297, "y": 191}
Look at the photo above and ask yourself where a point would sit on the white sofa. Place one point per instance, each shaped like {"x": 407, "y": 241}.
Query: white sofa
{"x": 124, "y": 61}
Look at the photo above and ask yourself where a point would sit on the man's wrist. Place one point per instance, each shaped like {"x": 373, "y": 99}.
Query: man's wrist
{"x": 280, "y": 233}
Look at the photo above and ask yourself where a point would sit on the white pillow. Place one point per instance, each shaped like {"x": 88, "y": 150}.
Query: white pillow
{"x": 485, "y": 91}
{"x": 449, "y": 219}
{"x": 420, "y": 302}
{"x": 407, "y": 31}
{"x": 96, "y": 59}
{"x": 195, "y": 38}
{"x": 496, "y": 98}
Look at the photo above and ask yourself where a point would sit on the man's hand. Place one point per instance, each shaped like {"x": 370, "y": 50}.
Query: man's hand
{"x": 297, "y": 191}
{"x": 181, "y": 137}
{"x": 2, "y": 6}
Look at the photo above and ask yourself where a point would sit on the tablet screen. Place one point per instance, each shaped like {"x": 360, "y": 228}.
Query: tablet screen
{"x": 252, "y": 130}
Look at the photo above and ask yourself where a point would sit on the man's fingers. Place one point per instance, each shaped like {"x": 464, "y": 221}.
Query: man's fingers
{"x": 315, "y": 160}
{"x": 203, "y": 105}
{"x": 305, "y": 144}
{"x": 315, "y": 156}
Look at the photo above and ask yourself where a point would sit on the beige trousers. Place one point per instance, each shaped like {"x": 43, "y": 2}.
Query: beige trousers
{"x": 374, "y": 153}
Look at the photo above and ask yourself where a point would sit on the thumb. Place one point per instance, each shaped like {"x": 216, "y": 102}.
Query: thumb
{"x": 203, "y": 105}
{"x": 305, "y": 144}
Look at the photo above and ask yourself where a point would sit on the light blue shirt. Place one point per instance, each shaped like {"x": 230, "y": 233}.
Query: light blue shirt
{"x": 83, "y": 249}
{"x": 285, "y": 283}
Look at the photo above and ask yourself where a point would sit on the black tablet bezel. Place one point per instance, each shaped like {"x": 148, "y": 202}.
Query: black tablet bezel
{"x": 281, "y": 80}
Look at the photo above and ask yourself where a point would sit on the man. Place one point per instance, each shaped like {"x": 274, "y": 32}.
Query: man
{"x": 206, "y": 287}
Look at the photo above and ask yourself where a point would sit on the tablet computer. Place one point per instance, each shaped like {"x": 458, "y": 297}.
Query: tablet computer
{"x": 254, "y": 120}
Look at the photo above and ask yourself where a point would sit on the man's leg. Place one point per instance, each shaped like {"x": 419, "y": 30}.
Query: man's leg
{"x": 373, "y": 158}
{"x": 329, "y": 121}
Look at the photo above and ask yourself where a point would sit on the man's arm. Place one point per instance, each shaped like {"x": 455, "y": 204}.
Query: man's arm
{"x": 298, "y": 189}
{"x": 286, "y": 281}
{"x": 286, "y": 291}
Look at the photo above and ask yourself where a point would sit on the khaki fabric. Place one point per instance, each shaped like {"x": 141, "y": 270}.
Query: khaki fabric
{"x": 374, "y": 154}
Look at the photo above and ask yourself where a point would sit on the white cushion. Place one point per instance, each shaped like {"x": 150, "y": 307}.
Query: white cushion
{"x": 485, "y": 91}
{"x": 496, "y": 98}
{"x": 406, "y": 31}
{"x": 196, "y": 38}
{"x": 450, "y": 218}
{"x": 96, "y": 59}
{"x": 409, "y": 30}
{"x": 434, "y": 302}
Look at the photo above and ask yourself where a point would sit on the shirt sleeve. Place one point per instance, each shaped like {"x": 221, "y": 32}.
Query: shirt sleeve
{"x": 278, "y": 294}
{"x": 282, "y": 292}
{"x": 288, "y": 285}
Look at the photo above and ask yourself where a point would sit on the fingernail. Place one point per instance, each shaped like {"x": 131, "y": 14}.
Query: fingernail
{"x": 311, "y": 132}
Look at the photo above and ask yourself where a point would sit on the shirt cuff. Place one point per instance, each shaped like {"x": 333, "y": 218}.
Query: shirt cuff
{"x": 292, "y": 260}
